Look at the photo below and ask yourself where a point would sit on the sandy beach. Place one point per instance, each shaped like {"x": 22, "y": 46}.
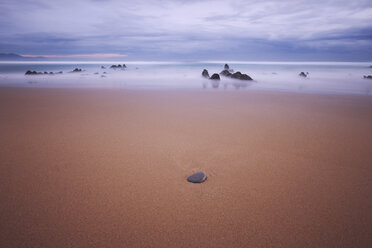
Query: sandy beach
{"x": 108, "y": 168}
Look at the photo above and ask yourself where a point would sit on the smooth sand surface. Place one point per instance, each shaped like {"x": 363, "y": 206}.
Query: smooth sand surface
{"x": 108, "y": 168}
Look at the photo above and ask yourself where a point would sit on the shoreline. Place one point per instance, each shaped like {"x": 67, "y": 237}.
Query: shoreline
{"x": 109, "y": 167}
{"x": 219, "y": 90}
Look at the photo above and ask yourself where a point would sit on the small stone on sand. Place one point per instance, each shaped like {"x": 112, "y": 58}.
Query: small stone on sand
{"x": 197, "y": 177}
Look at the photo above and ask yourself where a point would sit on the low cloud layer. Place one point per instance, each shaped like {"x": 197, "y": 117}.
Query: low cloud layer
{"x": 164, "y": 29}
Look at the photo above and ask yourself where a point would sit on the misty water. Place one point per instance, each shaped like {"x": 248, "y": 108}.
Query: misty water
{"x": 323, "y": 77}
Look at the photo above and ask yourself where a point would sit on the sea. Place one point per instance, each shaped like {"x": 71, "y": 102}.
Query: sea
{"x": 322, "y": 77}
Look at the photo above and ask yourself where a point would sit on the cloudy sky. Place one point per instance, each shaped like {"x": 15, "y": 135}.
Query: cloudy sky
{"x": 287, "y": 30}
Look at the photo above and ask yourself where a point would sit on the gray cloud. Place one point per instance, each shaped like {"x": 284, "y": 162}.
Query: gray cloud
{"x": 187, "y": 28}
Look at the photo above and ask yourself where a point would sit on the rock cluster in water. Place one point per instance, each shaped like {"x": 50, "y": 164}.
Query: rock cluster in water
{"x": 227, "y": 72}
{"x": 118, "y": 66}
{"x": 29, "y": 72}
{"x": 303, "y": 74}
{"x": 368, "y": 77}
{"x": 77, "y": 70}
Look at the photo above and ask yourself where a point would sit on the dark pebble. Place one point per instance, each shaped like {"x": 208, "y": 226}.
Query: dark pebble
{"x": 198, "y": 177}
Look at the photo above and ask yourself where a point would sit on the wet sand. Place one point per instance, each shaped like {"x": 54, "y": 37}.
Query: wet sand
{"x": 108, "y": 168}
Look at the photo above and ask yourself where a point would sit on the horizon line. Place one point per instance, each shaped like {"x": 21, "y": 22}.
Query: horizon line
{"x": 186, "y": 62}
{"x": 88, "y": 55}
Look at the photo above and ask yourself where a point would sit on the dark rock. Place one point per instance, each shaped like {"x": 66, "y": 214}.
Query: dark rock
{"x": 303, "y": 74}
{"x": 38, "y": 73}
{"x": 205, "y": 73}
{"x": 197, "y": 177}
{"x": 33, "y": 73}
{"x": 96, "y": 73}
{"x": 236, "y": 75}
{"x": 77, "y": 70}
{"x": 118, "y": 66}
{"x": 215, "y": 76}
{"x": 216, "y": 80}
{"x": 102, "y": 67}
{"x": 30, "y": 72}
{"x": 368, "y": 77}
{"x": 225, "y": 73}
{"x": 226, "y": 67}
{"x": 245, "y": 77}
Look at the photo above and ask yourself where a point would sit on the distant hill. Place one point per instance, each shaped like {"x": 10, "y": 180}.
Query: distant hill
{"x": 10, "y": 56}
{"x": 14, "y": 56}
